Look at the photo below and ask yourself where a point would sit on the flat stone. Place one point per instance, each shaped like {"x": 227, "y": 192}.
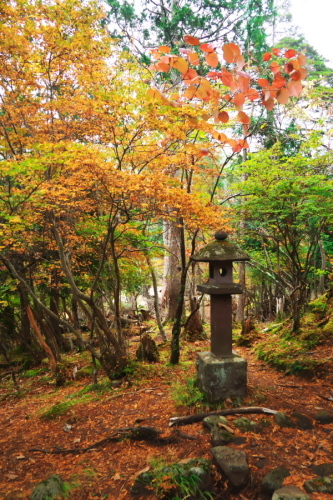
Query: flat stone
{"x": 324, "y": 417}
{"x": 246, "y": 425}
{"x": 233, "y": 463}
{"x": 290, "y": 493}
{"x": 46, "y": 490}
{"x": 222, "y": 378}
{"x": 213, "y": 421}
{"x": 319, "y": 484}
{"x": 302, "y": 421}
{"x": 274, "y": 479}
{"x": 323, "y": 469}
{"x": 283, "y": 420}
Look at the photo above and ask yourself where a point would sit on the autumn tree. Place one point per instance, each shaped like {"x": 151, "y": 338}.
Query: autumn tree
{"x": 87, "y": 160}
{"x": 280, "y": 80}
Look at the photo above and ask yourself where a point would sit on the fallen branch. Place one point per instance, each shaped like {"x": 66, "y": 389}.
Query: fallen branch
{"x": 178, "y": 421}
{"x": 325, "y": 397}
{"x": 135, "y": 433}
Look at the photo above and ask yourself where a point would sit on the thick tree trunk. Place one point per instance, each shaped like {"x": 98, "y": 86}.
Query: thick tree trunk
{"x": 172, "y": 269}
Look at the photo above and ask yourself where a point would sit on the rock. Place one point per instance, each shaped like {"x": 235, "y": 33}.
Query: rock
{"x": 246, "y": 425}
{"x": 290, "y": 493}
{"x": 213, "y": 421}
{"x": 233, "y": 464}
{"x": 221, "y": 436}
{"x": 192, "y": 475}
{"x": 46, "y": 490}
{"x": 147, "y": 350}
{"x": 319, "y": 484}
{"x": 323, "y": 469}
{"x": 283, "y": 420}
{"x": 260, "y": 463}
{"x": 274, "y": 479}
{"x": 302, "y": 421}
{"x": 324, "y": 417}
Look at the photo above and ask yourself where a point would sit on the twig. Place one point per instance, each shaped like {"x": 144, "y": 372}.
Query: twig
{"x": 291, "y": 386}
{"x": 177, "y": 421}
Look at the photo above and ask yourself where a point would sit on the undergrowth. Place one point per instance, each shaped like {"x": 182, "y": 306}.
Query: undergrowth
{"x": 188, "y": 393}
{"x": 177, "y": 481}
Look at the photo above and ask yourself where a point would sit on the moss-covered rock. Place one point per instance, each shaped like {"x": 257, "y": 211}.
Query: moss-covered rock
{"x": 320, "y": 485}
{"x": 283, "y": 420}
{"x": 246, "y": 425}
{"x": 273, "y": 480}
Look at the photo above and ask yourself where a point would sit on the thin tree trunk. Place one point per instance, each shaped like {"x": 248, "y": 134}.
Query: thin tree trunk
{"x": 323, "y": 267}
{"x": 156, "y": 304}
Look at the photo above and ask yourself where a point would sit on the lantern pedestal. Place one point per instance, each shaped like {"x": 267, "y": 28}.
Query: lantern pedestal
{"x": 222, "y": 378}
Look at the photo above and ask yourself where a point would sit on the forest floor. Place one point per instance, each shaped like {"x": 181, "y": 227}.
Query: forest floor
{"x": 44, "y": 418}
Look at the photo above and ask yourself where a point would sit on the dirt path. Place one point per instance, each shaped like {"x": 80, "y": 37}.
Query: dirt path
{"x": 108, "y": 471}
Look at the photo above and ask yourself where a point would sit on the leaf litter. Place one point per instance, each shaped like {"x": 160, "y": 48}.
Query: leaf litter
{"x": 107, "y": 471}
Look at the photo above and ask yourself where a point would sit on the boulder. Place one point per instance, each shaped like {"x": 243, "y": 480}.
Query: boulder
{"x": 324, "y": 417}
{"x": 323, "y": 469}
{"x": 48, "y": 489}
{"x": 283, "y": 420}
{"x": 290, "y": 493}
{"x": 233, "y": 463}
{"x": 320, "y": 485}
{"x": 302, "y": 421}
{"x": 274, "y": 479}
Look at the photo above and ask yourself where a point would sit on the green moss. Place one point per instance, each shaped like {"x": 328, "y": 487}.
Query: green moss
{"x": 64, "y": 407}
{"x": 319, "y": 305}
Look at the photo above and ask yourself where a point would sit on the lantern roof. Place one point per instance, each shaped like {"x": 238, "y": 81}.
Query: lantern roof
{"x": 220, "y": 250}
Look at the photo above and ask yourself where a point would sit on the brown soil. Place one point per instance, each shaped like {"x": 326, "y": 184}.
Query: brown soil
{"x": 108, "y": 471}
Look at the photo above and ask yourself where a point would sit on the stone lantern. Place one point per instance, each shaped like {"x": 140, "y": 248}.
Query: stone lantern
{"x": 222, "y": 373}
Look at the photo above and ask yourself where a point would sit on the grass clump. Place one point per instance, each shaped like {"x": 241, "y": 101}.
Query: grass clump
{"x": 188, "y": 393}
{"x": 180, "y": 480}
{"x": 63, "y": 408}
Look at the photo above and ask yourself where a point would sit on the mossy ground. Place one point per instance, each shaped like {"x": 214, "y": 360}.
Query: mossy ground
{"x": 301, "y": 352}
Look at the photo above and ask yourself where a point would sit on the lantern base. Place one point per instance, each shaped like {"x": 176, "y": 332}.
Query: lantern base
{"x": 222, "y": 378}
